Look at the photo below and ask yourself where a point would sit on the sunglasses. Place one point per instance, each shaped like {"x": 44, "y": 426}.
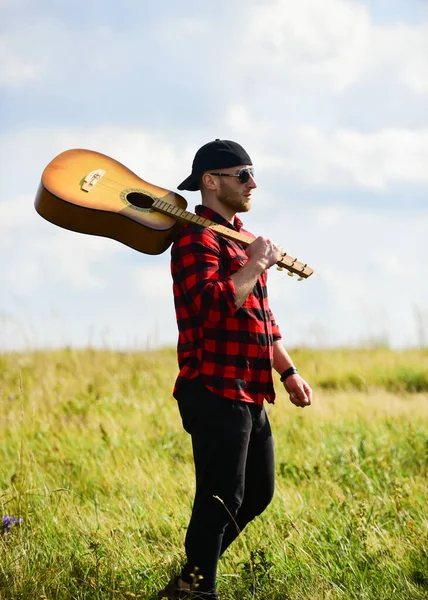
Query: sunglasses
{"x": 243, "y": 175}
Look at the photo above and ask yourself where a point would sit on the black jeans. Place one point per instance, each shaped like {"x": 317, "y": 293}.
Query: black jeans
{"x": 234, "y": 466}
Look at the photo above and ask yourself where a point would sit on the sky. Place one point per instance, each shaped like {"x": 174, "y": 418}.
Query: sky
{"x": 330, "y": 99}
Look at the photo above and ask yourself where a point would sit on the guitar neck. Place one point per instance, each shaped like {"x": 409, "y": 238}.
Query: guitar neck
{"x": 184, "y": 216}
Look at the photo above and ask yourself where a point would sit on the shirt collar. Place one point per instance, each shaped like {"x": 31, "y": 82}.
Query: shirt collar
{"x": 208, "y": 213}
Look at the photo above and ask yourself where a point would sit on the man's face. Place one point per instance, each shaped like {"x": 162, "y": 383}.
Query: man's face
{"x": 234, "y": 194}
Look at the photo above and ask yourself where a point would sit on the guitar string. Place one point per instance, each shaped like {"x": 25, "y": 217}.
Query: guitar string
{"x": 122, "y": 185}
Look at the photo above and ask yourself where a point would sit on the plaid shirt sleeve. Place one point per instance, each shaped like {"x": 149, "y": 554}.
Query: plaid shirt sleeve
{"x": 196, "y": 260}
{"x": 275, "y": 329}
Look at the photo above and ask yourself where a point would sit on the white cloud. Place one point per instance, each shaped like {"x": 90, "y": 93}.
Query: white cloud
{"x": 333, "y": 43}
{"x": 151, "y": 156}
{"x": 73, "y": 262}
{"x": 16, "y": 69}
{"x": 375, "y": 160}
{"x": 368, "y": 278}
{"x": 308, "y": 41}
{"x": 36, "y": 254}
{"x": 153, "y": 282}
{"x": 14, "y": 212}
{"x": 339, "y": 157}
{"x": 402, "y": 52}
{"x": 299, "y": 46}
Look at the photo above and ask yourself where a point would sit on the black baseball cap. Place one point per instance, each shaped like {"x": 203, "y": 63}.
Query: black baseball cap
{"x": 220, "y": 154}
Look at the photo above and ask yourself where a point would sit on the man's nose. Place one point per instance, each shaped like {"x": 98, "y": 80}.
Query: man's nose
{"x": 252, "y": 182}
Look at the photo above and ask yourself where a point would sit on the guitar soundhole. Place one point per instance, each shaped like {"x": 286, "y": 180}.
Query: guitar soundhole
{"x": 139, "y": 200}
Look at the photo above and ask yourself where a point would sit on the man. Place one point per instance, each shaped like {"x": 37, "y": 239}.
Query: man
{"x": 228, "y": 343}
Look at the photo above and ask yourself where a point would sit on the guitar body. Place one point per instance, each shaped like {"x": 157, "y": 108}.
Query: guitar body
{"x": 89, "y": 192}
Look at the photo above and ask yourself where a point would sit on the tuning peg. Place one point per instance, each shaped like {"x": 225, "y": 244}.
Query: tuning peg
{"x": 290, "y": 274}
{"x": 279, "y": 268}
{"x": 300, "y": 279}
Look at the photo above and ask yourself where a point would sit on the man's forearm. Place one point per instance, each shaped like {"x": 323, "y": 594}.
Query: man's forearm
{"x": 245, "y": 279}
{"x": 281, "y": 358}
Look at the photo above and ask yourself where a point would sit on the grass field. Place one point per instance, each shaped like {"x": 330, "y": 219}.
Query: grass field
{"x": 96, "y": 463}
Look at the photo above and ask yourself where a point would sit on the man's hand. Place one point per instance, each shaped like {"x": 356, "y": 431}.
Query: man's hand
{"x": 264, "y": 252}
{"x": 299, "y": 391}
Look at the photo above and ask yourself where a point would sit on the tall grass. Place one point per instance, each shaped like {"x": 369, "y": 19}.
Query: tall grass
{"x": 95, "y": 461}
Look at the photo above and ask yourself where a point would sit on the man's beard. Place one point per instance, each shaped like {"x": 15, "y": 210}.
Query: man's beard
{"x": 233, "y": 199}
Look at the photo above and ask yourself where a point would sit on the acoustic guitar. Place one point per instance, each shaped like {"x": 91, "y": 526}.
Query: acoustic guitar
{"x": 89, "y": 192}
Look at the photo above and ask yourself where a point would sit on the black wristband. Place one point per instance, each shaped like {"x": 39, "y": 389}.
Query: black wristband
{"x": 288, "y": 372}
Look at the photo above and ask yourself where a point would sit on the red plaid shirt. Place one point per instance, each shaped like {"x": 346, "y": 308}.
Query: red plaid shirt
{"x": 230, "y": 349}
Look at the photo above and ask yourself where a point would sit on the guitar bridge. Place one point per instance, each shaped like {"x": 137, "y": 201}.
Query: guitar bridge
{"x": 92, "y": 179}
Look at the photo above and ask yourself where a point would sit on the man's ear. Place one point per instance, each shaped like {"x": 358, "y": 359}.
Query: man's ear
{"x": 209, "y": 181}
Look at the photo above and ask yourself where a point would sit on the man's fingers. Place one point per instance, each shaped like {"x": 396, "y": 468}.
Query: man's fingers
{"x": 300, "y": 398}
{"x": 299, "y": 391}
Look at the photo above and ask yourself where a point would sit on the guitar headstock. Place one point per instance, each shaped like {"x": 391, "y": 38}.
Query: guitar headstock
{"x": 294, "y": 266}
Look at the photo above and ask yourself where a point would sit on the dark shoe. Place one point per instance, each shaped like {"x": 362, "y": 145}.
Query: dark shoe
{"x": 173, "y": 592}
